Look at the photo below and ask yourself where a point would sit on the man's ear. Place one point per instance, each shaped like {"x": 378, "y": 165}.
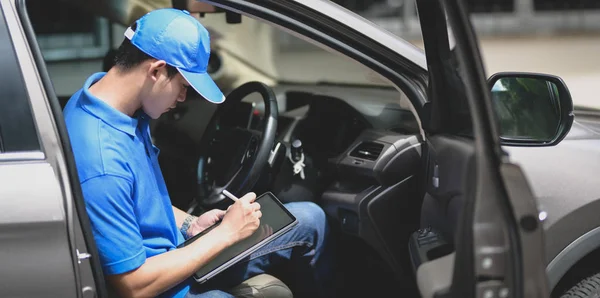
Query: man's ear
{"x": 156, "y": 67}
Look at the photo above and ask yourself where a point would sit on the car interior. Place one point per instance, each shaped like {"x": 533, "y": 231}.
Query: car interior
{"x": 392, "y": 198}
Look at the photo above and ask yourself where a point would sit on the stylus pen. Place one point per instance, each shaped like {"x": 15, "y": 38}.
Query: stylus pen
{"x": 230, "y": 195}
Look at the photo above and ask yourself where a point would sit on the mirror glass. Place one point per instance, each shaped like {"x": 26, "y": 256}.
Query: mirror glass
{"x": 195, "y": 6}
{"x": 527, "y": 108}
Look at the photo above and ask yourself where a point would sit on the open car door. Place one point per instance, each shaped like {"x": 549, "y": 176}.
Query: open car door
{"x": 474, "y": 197}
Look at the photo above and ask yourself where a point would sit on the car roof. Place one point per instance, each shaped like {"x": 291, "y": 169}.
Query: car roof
{"x": 368, "y": 28}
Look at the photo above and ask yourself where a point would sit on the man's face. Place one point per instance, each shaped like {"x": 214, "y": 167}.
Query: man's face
{"x": 165, "y": 92}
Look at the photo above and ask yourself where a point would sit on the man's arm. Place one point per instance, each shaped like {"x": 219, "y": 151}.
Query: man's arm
{"x": 180, "y": 216}
{"x": 162, "y": 272}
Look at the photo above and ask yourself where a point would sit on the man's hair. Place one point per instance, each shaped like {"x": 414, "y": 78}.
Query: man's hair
{"x": 129, "y": 56}
{"x": 109, "y": 60}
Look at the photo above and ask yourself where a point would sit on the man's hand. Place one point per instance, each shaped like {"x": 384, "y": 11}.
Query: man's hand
{"x": 242, "y": 218}
{"x": 205, "y": 220}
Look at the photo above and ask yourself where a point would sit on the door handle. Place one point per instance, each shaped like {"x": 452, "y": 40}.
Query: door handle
{"x": 82, "y": 256}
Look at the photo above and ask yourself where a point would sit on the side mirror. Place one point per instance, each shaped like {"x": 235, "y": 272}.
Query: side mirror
{"x": 532, "y": 109}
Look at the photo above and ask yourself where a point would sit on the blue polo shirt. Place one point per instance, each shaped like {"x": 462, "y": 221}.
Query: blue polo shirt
{"x": 123, "y": 187}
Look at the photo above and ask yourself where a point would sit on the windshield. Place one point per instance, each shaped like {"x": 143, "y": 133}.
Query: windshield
{"x": 283, "y": 57}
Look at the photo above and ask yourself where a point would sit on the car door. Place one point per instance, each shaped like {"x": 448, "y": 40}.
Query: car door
{"x": 475, "y": 199}
{"x": 48, "y": 248}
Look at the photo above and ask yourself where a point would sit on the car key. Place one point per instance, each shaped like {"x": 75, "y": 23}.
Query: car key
{"x": 299, "y": 167}
{"x": 297, "y": 158}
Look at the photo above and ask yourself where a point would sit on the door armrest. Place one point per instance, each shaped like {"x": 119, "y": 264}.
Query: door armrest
{"x": 434, "y": 278}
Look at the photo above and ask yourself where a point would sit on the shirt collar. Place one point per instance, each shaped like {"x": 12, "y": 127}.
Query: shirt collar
{"x": 104, "y": 111}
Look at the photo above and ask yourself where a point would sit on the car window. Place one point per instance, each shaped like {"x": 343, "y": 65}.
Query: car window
{"x": 17, "y": 129}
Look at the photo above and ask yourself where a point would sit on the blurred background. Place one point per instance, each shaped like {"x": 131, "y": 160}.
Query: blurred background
{"x": 560, "y": 37}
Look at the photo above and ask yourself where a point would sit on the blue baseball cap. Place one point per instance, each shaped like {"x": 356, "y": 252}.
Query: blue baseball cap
{"x": 181, "y": 41}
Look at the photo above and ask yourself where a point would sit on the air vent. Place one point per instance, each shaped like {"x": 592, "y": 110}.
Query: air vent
{"x": 367, "y": 150}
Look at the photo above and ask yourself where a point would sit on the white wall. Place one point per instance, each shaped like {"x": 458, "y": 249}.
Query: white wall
{"x": 575, "y": 58}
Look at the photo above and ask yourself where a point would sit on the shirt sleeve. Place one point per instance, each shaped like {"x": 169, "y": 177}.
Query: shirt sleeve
{"x": 110, "y": 207}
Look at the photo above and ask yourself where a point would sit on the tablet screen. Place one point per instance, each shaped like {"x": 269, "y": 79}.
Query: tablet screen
{"x": 275, "y": 217}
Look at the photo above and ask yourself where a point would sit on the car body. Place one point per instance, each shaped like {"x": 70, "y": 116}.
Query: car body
{"x": 426, "y": 182}
{"x": 559, "y": 178}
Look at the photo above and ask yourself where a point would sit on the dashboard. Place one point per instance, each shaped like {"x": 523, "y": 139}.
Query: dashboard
{"x": 336, "y": 125}
{"x": 329, "y": 125}
{"x": 363, "y": 162}
{"x": 350, "y": 143}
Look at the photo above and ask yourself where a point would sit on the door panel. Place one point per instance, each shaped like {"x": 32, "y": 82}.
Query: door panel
{"x": 83, "y": 259}
{"x": 474, "y": 209}
{"x": 449, "y": 175}
{"x": 35, "y": 254}
{"x": 449, "y": 180}
{"x": 435, "y": 277}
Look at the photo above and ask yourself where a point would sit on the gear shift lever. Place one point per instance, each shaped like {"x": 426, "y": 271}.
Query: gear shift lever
{"x": 297, "y": 158}
{"x": 297, "y": 150}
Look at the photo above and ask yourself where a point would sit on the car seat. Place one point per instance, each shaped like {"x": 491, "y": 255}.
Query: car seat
{"x": 262, "y": 285}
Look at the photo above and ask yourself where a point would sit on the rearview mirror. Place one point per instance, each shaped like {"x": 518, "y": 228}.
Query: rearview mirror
{"x": 195, "y": 6}
{"x": 202, "y": 8}
{"x": 532, "y": 109}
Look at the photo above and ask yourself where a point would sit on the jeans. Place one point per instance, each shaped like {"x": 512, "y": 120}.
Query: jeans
{"x": 301, "y": 258}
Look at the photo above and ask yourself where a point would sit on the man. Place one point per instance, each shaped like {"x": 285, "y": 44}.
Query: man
{"x": 134, "y": 224}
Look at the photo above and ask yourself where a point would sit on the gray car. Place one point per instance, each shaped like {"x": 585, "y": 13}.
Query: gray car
{"x": 438, "y": 181}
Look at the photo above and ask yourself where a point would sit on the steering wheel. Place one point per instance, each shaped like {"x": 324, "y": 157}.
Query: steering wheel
{"x": 236, "y": 156}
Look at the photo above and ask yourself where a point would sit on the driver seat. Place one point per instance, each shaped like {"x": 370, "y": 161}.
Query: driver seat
{"x": 262, "y": 286}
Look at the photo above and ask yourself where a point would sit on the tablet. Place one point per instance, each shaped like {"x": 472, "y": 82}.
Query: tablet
{"x": 276, "y": 220}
